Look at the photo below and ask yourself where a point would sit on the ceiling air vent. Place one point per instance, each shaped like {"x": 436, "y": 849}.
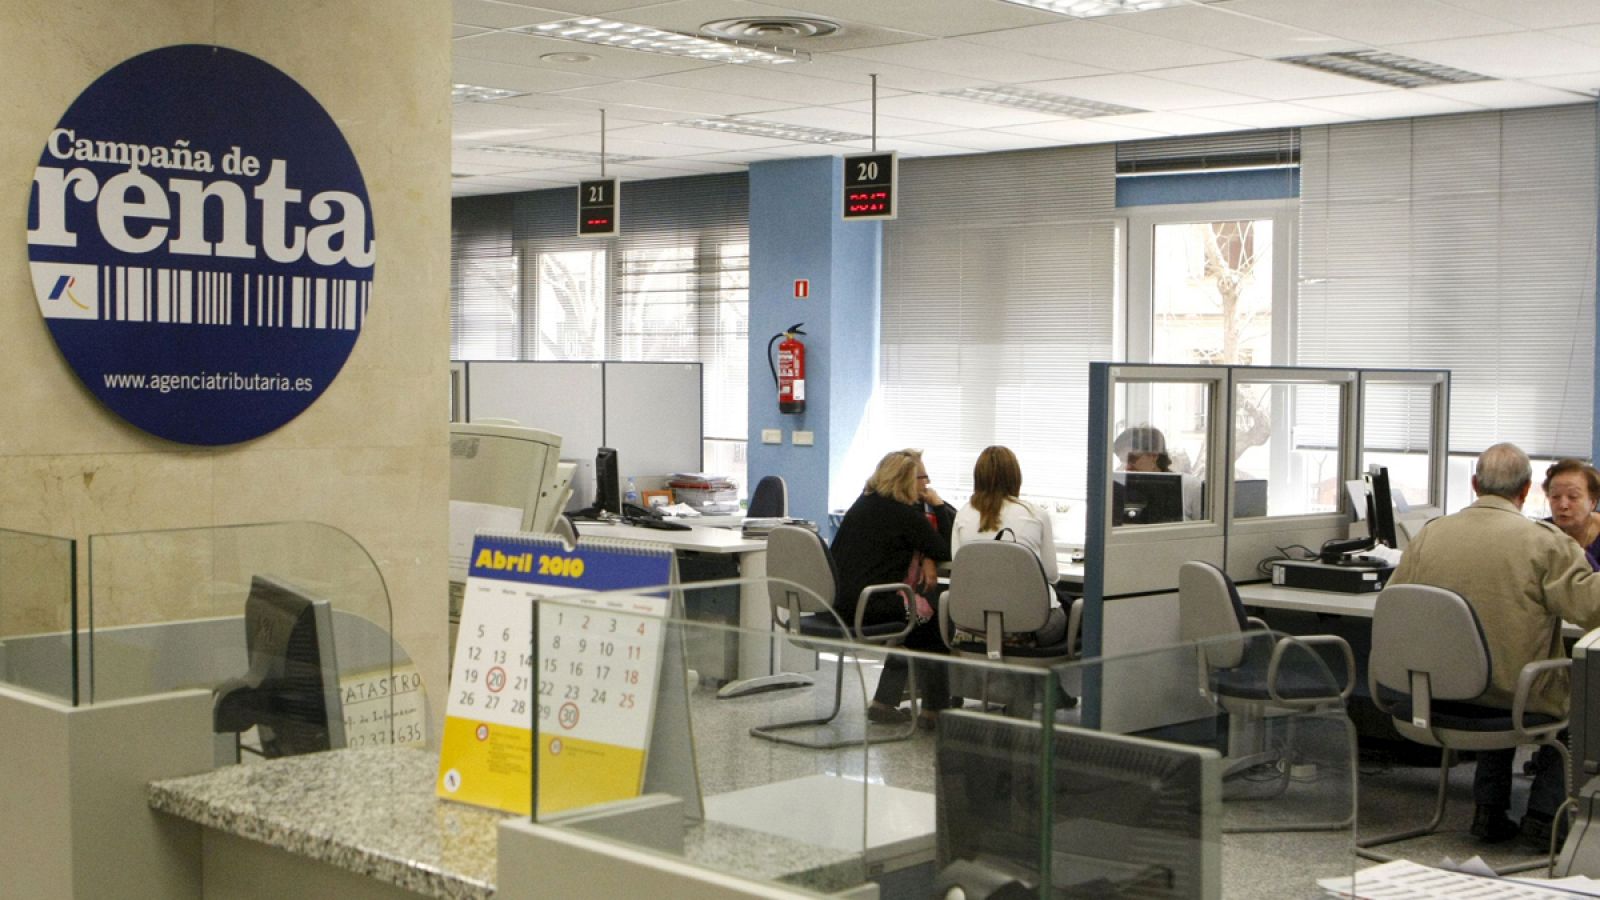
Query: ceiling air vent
{"x": 776, "y": 31}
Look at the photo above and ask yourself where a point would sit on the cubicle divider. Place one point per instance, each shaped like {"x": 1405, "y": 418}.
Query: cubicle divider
{"x": 1235, "y": 466}
{"x": 649, "y": 412}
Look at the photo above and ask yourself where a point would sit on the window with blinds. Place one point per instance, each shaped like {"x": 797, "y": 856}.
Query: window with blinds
{"x": 674, "y": 286}
{"x": 1461, "y": 242}
{"x": 993, "y": 309}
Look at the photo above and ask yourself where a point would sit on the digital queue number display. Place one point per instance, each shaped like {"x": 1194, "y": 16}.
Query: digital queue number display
{"x": 869, "y": 186}
{"x": 598, "y": 202}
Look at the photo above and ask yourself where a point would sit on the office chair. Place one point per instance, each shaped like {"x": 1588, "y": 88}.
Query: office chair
{"x": 1430, "y": 659}
{"x": 1255, "y": 676}
{"x": 802, "y": 583}
{"x": 999, "y": 588}
{"x": 770, "y": 499}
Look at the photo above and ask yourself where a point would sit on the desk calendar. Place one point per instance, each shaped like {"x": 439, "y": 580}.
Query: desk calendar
{"x": 591, "y": 680}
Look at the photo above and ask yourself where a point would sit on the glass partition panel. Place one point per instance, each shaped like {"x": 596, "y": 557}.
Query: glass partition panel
{"x": 38, "y": 614}
{"x": 791, "y": 774}
{"x": 1397, "y": 427}
{"x": 1159, "y": 452}
{"x": 1287, "y": 440}
{"x": 289, "y": 622}
{"x": 1238, "y": 742}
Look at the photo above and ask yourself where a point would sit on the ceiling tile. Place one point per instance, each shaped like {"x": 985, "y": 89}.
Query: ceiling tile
{"x": 1535, "y": 13}
{"x": 949, "y": 111}
{"x": 704, "y": 140}
{"x": 518, "y": 78}
{"x": 906, "y": 147}
{"x": 852, "y": 70}
{"x": 1080, "y": 131}
{"x": 1393, "y": 104}
{"x": 1103, "y": 46}
{"x": 1168, "y": 123}
{"x": 779, "y": 83}
{"x": 1584, "y": 83}
{"x": 1529, "y": 54}
{"x": 1377, "y": 22}
{"x": 513, "y": 48}
{"x": 565, "y": 108}
{"x": 569, "y": 8}
{"x": 1272, "y": 115}
{"x": 688, "y": 16}
{"x": 852, "y": 119}
{"x": 682, "y": 100}
{"x": 493, "y": 14}
{"x": 1268, "y": 80}
{"x": 1218, "y": 25}
{"x": 461, "y": 31}
{"x": 1141, "y": 92}
{"x": 741, "y": 157}
{"x": 973, "y": 139}
{"x": 942, "y": 18}
{"x": 974, "y": 60}
{"x": 1583, "y": 34}
{"x": 1504, "y": 94}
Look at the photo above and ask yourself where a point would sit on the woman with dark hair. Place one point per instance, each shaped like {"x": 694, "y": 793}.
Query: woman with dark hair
{"x": 898, "y": 522}
{"x": 996, "y": 508}
{"x": 1572, "y": 488}
{"x": 1143, "y": 448}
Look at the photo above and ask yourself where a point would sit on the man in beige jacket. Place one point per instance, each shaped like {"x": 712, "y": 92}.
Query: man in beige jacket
{"x": 1522, "y": 578}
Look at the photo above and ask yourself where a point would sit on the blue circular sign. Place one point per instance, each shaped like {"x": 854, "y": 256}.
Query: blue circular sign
{"x": 201, "y": 244}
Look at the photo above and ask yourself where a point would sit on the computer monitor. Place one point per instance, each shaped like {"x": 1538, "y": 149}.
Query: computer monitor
{"x": 607, "y": 482}
{"x": 1128, "y": 816}
{"x": 1380, "y": 507}
{"x": 507, "y": 466}
{"x": 290, "y": 690}
{"x": 1152, "y": 497}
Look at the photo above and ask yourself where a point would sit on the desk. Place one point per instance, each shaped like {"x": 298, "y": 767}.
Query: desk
{"x": 366, "y": 823}
{"x": 825, "y": 811}
{"x": 748, "y": 557}
{"x": 1332, "y": 603}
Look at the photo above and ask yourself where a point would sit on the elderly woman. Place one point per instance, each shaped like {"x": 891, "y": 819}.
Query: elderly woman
{"x": 1572, "y": 487}
{"x": 898, "y": 519}
{"x": 1143, "y": 448}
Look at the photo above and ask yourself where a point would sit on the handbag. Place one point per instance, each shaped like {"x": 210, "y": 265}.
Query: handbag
{"x": 918, "y": 607}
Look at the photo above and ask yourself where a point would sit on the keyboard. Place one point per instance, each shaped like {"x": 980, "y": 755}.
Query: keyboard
{"x": 658, "y": 524}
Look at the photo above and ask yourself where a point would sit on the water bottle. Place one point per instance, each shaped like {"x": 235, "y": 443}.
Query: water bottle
{"x": 632, "y": 494}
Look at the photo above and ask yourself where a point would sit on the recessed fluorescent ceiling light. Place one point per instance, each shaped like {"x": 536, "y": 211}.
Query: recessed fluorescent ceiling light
{"x": 1039, "y": 101}
{"x": 556, "y": 153}
{"x": 607, "y": 33}
{"x": 1391, "y": 69}
{"x": 469, "y": 93}
{"x": 779, "y": 130}
{"x": 1085, "y": 9}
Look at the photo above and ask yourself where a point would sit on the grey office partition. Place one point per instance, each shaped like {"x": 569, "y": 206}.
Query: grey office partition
{"x": 652, "y": 416}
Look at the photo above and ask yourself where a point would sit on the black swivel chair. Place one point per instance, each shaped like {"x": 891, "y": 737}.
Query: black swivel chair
{"x": 770, "y": 499}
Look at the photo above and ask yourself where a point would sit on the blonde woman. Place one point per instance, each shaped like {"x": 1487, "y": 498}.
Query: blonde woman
{"x": 897, "y": 517}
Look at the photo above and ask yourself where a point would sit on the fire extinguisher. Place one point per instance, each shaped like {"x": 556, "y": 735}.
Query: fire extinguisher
{"x": 789, "y": 373}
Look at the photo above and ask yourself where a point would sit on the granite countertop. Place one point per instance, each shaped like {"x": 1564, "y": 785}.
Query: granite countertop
{"x": 374, "y": 812}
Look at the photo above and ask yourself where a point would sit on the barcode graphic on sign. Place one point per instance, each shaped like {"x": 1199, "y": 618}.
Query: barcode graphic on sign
{"x": 180, "y": 296}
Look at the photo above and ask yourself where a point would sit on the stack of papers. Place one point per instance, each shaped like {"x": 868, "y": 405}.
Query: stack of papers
{"x": 1406, "y": 880}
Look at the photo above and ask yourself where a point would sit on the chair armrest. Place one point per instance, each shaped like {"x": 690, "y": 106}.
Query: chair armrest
{"x": 1305, "y": 642}
{"x": 1255, "y": 623}
{"x": 907, "y": 602}
{"x": 1525, "y": 679}
{"x": 1074, "y": 623}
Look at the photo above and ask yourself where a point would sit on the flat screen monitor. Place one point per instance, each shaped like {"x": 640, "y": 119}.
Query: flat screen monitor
{"x": 1149, "y": 498}
{"x": 1380, "y": 507}
{"x": 607, "y": 482}
{"x": 290, "y": 691}
{"x": 507, "y": 466}
{"x": 1129, "y": 816}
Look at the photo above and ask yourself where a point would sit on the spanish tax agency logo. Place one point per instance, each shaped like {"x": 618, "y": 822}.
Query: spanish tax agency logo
{"x": 201, "y": 244}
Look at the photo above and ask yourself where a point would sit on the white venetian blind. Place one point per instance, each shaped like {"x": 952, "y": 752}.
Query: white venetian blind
{"x": 1461, "y": 242}
{"x": 1000, "y": 285}
{"x": 484, "y": 306}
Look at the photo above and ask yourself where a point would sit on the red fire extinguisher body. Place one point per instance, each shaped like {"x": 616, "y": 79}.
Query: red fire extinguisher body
{"x": 791, "y": 375}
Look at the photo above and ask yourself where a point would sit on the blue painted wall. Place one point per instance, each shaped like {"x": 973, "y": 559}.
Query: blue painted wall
{"x": 796, "y": 233}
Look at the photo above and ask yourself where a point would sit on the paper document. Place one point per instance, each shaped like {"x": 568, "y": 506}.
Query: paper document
{"x": 1406, "y": 880}
{"x": 466, "y": 520}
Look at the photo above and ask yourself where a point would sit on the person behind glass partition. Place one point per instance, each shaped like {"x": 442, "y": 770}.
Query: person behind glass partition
{"x": 898, "y": 530}
{"x": 1143, "y": 448}
{"x": 996, "y": 512}
{"x": 1572, "y": 488}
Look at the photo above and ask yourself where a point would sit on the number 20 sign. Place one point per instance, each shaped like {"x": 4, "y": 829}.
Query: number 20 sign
{"x": 869, "y": 186}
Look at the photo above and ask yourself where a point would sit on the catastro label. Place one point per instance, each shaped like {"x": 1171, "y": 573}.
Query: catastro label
{"x": 201, "y": 244}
